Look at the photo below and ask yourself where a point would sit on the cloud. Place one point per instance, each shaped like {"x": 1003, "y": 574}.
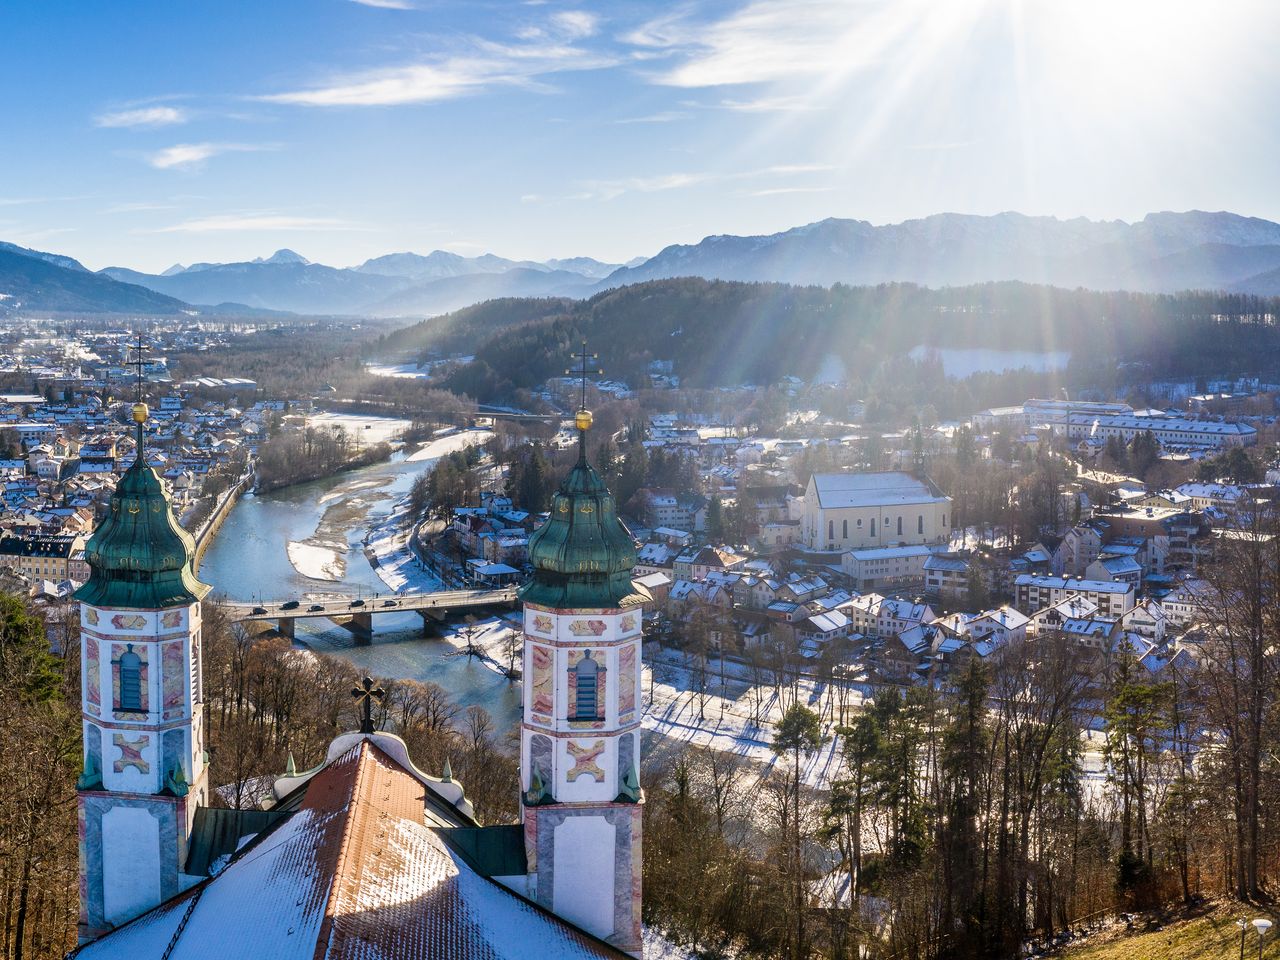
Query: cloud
{"x": 611, "y": 189}
{"x": 137, "y": 207}
{"x": 386, "y": 4}
{"x": 777, "y": 40}
{"x": 483, "y": 65}
{"x": 575, "y": 24}
{"x": 142, "y": 117}
{"x": 768, "y": 104}
{"x": 776, "y": 191}
{"x": 666, "y": 116}
{"x": 256, "y": 222}
{"x": 184, "y": 156}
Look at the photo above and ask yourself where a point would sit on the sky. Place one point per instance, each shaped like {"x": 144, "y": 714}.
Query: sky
{"x": 142, "y": 134}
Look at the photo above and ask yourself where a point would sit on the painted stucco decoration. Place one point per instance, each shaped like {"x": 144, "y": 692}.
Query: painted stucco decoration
{"x": 92, "y": 673}
{"x": 584, "y": 761}
{"x": 626, "y": 683}
{"x": 542, "y": 623}
{"x": 544, "y": 684}
{"x": 587, "y": 628}
{"x": 128, "y": 621}
{"x": 174, "y": 679}
{"x": 130, "y": 754}
{"x": 171, "y": 619}
{"x": 628, "y": 623}
{"x": 91, "y": 616}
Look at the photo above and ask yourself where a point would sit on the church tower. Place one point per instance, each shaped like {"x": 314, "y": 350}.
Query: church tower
{"x": 144, "y": 753}
{"x": 580, "y": 739}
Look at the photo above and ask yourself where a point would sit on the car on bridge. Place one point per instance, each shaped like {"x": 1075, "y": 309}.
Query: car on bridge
{"x": 390, "y": 603}
{"x": 259, "y": 609}
{"x": 315, "y": 608}
{"x": 357, "y": 603}
{"x": 291, "y": 605}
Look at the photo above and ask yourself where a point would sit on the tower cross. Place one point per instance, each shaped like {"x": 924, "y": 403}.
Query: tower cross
{"x": 582, "y": 371}
{"x": 136, "y": 363}
{"x": 364, "y": 695}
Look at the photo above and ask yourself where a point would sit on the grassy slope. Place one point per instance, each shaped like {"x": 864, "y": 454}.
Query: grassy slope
{"x": 1211, "y": 935}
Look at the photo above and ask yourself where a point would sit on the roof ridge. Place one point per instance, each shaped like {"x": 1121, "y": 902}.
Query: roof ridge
{"x": 324, "y": 939}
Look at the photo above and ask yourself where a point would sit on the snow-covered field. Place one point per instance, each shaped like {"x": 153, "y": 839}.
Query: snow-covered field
{"x": 491, "y": 638}
{"x": 726, "y": 723}
{"x": 364, "y": 429}
{"x": 400, "y": 371}
{"x": 435, "y": 449}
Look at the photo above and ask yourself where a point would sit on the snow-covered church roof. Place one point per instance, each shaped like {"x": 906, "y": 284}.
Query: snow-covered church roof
{"x": 356, "y": 872}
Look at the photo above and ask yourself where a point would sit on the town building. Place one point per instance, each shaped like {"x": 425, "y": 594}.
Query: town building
{"x": 857, "y": 511}
{"x": 1113, "y": 598}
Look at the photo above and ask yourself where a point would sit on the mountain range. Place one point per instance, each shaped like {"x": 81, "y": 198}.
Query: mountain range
{"x": 1163, "y": 252}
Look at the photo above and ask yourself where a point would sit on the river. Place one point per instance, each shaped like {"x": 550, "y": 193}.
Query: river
{"x": 326, "y": 521}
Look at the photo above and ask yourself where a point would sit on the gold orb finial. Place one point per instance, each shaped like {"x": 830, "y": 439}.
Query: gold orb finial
{"x": 140, "y": 413}
{"x": 582, "y": 420}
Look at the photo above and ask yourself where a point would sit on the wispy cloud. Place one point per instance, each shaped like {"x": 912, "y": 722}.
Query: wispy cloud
{"x": 575, "y": 24}
{"x": 480, "y": 65}
{"x": 666, "y": 116}
{"x": 142, "y": 117}
{"x": 185, "y": 156}
{"x": 768, "y": 41}
{"x": 776, "y": 191}
{"x": 140, "y": 207}
{"x": 257, "y": 223}
{"x": 768, "y": 104}
{"x": 611, "y": 189}
{"x": 386, "y": 4}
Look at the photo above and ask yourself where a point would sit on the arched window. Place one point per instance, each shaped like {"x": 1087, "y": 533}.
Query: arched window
{"x": 831, "y": 529}
{"x": 873, "y": 526}
{"x": 130, "y": 680}
{"x": 899, "y": 526}
{"x": 920, "y": 523}
{"x": 846, "y": 529}
{"x": 586, "y": 691}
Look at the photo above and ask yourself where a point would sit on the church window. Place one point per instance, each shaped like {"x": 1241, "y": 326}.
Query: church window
{"x": 873, "y": 526}
{"x": 831, "y": 529}
{"x": 920, "y": 523}
{"x": 846, "y": 529}
{"x": 587, "y": 690}
{"x": 130, "y": 680}
{"x": 899, "y": 526}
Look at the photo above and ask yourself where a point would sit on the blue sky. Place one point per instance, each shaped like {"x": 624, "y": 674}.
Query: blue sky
{"x": 140, "y": 134}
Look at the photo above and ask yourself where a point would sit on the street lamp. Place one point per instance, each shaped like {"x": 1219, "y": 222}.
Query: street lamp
{"x": 1262, "y": 925}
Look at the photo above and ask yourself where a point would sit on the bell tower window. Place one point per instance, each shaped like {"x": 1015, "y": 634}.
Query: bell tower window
{"x": 586, "y": 689}
{"x": 130, "y": 680}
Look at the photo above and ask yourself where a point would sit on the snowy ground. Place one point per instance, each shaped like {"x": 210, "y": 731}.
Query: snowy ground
{"x": 364, "y": 429}
{"x": 491, "y": 638}
{"x": 395, "y": 563}
{"x": 435, "y": 449}
{"x": 400, "y": 371}
{"x": 725, "y": 722}
{"x": 319, "y": 561}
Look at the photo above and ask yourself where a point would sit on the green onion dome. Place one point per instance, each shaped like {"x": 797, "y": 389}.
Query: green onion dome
{"x": 583, "y": 555}
{"x": 139, "y": 557}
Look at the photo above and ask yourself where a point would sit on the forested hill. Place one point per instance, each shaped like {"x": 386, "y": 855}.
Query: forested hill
{"x": 722, "y": 333}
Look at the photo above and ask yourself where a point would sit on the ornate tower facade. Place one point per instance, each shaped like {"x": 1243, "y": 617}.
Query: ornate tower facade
{"x": 580, "y": 737}
{"x": 144, "y": 753}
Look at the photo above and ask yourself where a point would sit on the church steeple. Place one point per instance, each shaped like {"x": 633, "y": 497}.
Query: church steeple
{"x": 583, "y": 555}
{"x": 145, "y": 769}
{"x": 580, "y": 739}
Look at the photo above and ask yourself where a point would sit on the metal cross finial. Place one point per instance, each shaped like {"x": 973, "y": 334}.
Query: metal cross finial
{"x": 583, "y": 371}
{"x": 365, "y": 694}
{"x": 136, "y": 363}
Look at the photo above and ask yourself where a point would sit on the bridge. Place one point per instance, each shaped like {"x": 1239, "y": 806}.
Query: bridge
{"x": 356, "y": 614}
